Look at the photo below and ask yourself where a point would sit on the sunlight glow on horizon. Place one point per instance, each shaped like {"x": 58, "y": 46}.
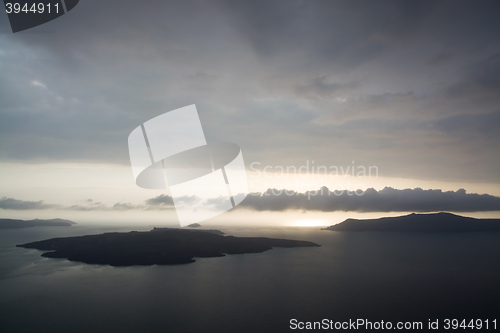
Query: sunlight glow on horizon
{"x": 310, "y": 223}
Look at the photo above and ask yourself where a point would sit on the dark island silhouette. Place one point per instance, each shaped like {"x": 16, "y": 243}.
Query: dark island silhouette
{"x": 13, "y": 223}
{"x": 213, "y": 231}
{"x": 437, "y": 222}
{"x": 160, "y": 246}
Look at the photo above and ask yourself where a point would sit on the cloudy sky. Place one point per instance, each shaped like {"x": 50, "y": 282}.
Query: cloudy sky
{"x": 411, "y": 87}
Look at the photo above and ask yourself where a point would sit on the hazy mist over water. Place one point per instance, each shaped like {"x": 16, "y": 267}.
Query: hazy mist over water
{"x": 375, "y": 276}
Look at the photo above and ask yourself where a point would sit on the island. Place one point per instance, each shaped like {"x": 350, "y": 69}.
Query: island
{"x": 436, "y": 222}
{"x": 13, "y": 223}
{"x": 217, "y": 232}
{"x": 160, "y": 246}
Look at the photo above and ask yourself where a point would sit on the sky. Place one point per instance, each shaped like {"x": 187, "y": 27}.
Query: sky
{"x": 408, "y": 88}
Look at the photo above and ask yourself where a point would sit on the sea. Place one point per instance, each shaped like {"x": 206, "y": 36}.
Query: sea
{"x": 354, "y": 277}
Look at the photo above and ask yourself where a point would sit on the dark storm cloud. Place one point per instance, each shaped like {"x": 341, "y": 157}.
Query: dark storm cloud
{"x": 487, "y": 72}
{"x": 386, "y": 200}
{"x": 481, "y": 79}
{"x": 389, "y": 83}
{"x": 336, "y": 32}
{"x": 468, "y": 126}
{"x": 440, "y": 59}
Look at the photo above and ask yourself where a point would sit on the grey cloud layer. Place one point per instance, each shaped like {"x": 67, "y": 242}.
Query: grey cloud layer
{"x": 162, "y": 202}
{"x": 14, "y": 204}
{"x": 386, "y": 200}
{"x": 411, "y": 87}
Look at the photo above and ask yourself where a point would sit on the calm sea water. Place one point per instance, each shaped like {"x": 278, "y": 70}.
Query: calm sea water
{"x": 374, "y": 276}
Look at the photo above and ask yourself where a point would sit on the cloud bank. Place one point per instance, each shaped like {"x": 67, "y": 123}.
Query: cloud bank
{"x": 323, "y": 200}
{"x": 161, "y": 202}
{"x": 386, "y": 200}
{"x": 14, "y": 204}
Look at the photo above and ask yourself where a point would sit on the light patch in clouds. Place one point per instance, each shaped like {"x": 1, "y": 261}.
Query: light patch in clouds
{"x": 320, "y": 88}
{"x": 38, "y": 84}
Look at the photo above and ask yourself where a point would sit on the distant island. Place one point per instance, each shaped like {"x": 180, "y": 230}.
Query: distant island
{"x": 160, "y": 246}
{"x": 217, "y": 232}
{"x": 12, "y": 223}
{"x": 438, "y": 222}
